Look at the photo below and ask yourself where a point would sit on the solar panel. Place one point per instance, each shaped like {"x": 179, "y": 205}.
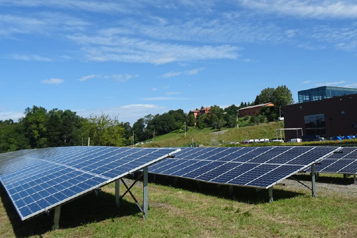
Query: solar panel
{"x": 342, "y": 162}
{"x": 260, "y": 167}
{"x": 38, "y": 180}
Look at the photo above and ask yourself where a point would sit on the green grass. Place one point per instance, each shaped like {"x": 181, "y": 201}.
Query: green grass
{"x": 179, "y": 212}
{"x": 210, "y": 137}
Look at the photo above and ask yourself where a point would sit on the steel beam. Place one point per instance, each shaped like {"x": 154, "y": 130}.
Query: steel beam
{"x": 56, "y": 218}
{"x": 313, "y": 180}
{"x": 117, "y": 193}
{"x": 270, "y": 191}
{"x": 145, "y": 193}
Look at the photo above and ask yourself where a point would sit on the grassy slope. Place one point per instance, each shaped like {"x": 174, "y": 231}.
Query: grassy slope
{"x": 209, "y": 137}
{"x": 182, "y": 213}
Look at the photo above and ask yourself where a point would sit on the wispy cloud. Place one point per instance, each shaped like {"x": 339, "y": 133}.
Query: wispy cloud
{"x": 116, "y": 77}
{"x": 30, "y": 58}
{"x": 332, "y": 83}
{"x": 310, "y": 9}
{"x": 126, "y": 113}
{"x": 55, "y": 81}
{"x": 171, "y": 74}
{"x": 126, "y": 49}
{"x": 164, "y": 99}
{"x": 85, "y": 78}
{"x": 178, "y": 73}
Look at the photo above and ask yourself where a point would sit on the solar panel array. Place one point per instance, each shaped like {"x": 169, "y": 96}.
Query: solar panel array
{"x": 38, "y": 180}
{"x": 343, "y": 162}
{"x": 260, "y": 167}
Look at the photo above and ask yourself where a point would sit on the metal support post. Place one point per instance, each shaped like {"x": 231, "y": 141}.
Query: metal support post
{"x": 56, "y": 218}
{"x": 270, "y": 191}
{"x": 145, "y": 193}
{"x": 117, "y": 194}
{"x": 355, "y": 179}
{"x": 313, "y": 181}
{"x": 231, "y": 191}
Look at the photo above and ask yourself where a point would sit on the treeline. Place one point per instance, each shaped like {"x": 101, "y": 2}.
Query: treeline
{"x": 40, "y": 128}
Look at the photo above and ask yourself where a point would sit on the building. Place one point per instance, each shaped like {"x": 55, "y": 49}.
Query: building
{"x": 324, "y": 92}
{"x": 253, "y": 110}
{"x": 327, "y": 118}
{"x": 197, "y": 112}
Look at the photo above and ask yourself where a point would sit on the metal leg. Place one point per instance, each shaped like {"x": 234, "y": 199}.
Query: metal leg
{"x": 145, "y": 193}
{"x": 117, "y": 194}
{"x": 270, "y": 191}
{"x": 355, "y": 179}
{"x": 313, "y": 181}
{"x": 231, "y": 191}
{"x": 56, "y": 218}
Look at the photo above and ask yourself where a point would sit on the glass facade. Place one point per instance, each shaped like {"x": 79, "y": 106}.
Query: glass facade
{"x": 315, "y": 124}
{"x": 324, "y": 92}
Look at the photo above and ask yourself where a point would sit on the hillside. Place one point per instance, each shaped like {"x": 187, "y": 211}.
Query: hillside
{"x": 210, "y": 137}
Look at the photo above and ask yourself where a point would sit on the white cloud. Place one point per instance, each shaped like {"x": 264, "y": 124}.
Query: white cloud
{"x": 85, "y": 78}
{"x": 305, "y": 8}
{"x": 11, "y": 115}
{"x": 171, "y": 74}
{"x": 30, "y": 58}
{"x": 117, "y": 77}
{"x": 164, "y": 99}
{"x": 124, "y": 49}
{"x": 332, "y": 83}
{"x": 53, "y": 81}
{"x": 194, "y": 71}
{"x": 126, "y": 113}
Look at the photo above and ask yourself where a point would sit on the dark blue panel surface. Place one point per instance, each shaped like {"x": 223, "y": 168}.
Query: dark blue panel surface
{"x": 243, "y": 166}
{"x": 39, "y": 180}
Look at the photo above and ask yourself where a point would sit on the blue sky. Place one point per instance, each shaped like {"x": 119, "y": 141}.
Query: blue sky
{"x": 132, "y": 58}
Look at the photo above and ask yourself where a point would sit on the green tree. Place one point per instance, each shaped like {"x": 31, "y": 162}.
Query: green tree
{"x": 12, "y": 136}
{"x": 265, "y": 96}
{"x": 282, "y": 96}
{"x": 106, "y": 131}
{"x": 35, "y": 125}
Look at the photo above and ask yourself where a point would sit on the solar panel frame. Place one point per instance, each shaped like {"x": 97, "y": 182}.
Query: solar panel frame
{"x": 242, "y": 163}
{"x": 343, "y": 162}
{"x": 74, "y": 183}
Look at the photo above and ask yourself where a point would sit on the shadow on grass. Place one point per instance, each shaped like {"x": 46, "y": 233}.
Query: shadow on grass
{"x": 325, "y": 178}
{"x": 83, "y": 210}
{"x": 241, "y": 194}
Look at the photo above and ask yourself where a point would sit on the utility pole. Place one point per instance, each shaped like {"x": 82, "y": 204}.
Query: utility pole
{"x": 133, "y": 138}
{"x": 185, "y": 129}
{"x": 238, "y": 118}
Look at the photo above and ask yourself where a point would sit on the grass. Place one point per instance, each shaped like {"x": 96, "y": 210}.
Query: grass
{"x": 211, "y": 137}
{"x": 194, "y": 211}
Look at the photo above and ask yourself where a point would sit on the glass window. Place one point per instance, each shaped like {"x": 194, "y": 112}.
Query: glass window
{"x": 315, "y": 124}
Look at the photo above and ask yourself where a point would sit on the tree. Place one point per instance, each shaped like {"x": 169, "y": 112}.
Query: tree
{"x": 106, "y": 131}
{"x": 12, "y": 136}
{"x": 230, "y": 115}
{"x": 282, "y": 96}
{"x": 35, "y": 125}
{"x": 216, "y": 117}
{"x": 265, "y": 96}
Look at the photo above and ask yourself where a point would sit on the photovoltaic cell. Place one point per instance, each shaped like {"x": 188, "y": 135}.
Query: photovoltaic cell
{"x": 38, "y": 180}
{"x": 260, "y": 167}
{"x": 342, "y": 162}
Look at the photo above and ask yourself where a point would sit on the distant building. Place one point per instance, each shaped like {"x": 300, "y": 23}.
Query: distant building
{"x": 197, "y": 113}
{"x": 324, "y": 92}
{"x": 327, "y": 118}
{"x": 253, "y": 110}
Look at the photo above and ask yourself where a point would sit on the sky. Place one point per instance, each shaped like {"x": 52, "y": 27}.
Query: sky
{"x": 128, "y": 59}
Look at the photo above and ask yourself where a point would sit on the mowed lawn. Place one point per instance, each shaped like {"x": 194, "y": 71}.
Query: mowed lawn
{"x": 198, "y": 211}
